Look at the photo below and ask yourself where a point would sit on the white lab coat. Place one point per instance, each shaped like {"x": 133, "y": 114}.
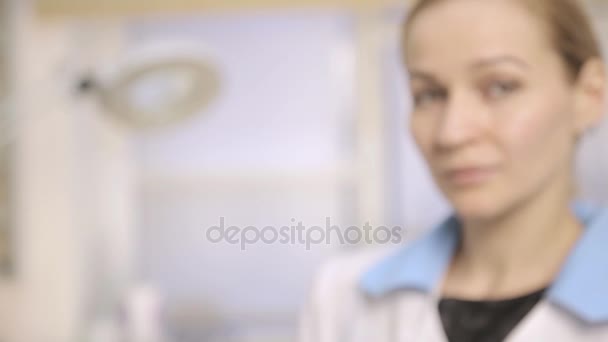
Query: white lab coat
{"x": 388, "y": 296}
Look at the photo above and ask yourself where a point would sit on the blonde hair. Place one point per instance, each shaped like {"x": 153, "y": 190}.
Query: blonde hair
{"x": 566, "y": 22}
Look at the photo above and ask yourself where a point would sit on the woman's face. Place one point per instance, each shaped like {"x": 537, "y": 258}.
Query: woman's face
{"x": 494, "y": 109}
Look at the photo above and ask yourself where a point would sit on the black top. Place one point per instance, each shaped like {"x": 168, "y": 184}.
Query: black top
{"x": 484, "y": 320}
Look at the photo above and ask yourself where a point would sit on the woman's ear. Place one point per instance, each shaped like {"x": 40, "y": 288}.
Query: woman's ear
{"x": 590, "y": 95}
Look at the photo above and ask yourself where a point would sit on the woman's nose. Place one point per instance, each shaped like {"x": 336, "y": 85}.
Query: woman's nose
{"x": 461, "y": 122}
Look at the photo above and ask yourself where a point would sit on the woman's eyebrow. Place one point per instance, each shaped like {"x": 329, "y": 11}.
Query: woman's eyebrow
{"x": 486, "y": 62}
{"x": 422, "y": 75}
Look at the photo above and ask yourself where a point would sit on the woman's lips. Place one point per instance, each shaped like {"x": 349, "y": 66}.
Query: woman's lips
{"x": 469, "y": 175}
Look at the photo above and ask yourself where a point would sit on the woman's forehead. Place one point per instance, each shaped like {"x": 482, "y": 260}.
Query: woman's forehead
{"x": 468, "y": 30}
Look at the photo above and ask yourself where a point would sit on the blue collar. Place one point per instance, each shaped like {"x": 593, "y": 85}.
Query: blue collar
{"x": 581, "y": 286}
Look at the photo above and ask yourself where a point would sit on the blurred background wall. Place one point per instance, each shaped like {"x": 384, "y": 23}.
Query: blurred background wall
{"x": 109, "y": 217}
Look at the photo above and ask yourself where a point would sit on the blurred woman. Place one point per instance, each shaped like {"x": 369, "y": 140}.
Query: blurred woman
{"x": 502, "y": 90}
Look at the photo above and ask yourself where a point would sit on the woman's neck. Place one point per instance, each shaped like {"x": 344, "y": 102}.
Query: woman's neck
{"x": 519, "y": 252}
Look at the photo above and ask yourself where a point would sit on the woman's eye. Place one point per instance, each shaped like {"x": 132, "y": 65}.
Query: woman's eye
{"x": 427, "y": 97}
{"x": 500, "y": 89}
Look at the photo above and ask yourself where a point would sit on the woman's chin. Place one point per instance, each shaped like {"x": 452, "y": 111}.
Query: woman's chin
{"x": 476, "y": 207}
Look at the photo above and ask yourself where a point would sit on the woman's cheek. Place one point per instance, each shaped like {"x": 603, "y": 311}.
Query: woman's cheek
{"x": 422, "y": 134}
{"x": 533, "y": 138}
